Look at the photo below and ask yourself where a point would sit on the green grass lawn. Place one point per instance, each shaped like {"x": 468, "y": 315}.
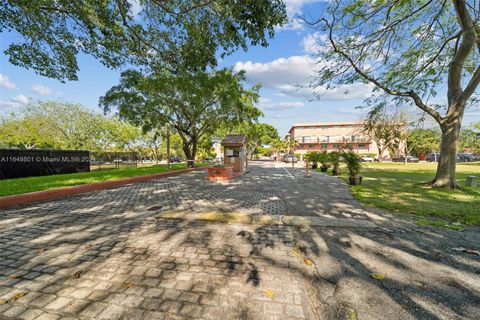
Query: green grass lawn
{"x": 30, "y": 184}
{"x": 398, "y": 187}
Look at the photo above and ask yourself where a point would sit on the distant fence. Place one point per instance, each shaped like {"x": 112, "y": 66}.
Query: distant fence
{"x": 28, "y": 163}
{"x": 113, "y": 160}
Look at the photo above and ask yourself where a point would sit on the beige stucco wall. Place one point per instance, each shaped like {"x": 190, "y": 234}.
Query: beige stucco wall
{"x": 340, "y": 135}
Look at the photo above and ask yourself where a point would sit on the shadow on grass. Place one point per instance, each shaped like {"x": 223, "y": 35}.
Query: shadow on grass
{"x": 135, "y": 262}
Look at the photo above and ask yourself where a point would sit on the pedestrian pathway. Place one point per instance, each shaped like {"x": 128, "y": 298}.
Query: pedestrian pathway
{"x": 269, "y": 245}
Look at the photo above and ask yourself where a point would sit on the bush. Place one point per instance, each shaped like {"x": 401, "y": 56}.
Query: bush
{"x": 324, "y": 160}
{"x": 335, "y": 158}
{"x": 353, "y": 163}
{"x": 313, "y": 157}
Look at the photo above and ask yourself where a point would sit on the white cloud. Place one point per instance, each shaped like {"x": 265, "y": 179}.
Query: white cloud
{"x": 6, "y": 83}
{"x": 294, "y": 10}
{"x": 41, "y": 90}
{"x": 314, "y": 43}
{"x": 279, "y": 116}
{"x": 281, "y": 105}
{"x": 292, "y": 76}
{"x": 292, "y": 70}
{"x": 344, "y": 92}
{"x": 14, "y": 102}
{"x": 21, "y": 99}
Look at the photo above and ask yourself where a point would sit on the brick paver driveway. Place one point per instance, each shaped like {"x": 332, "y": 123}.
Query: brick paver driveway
{"x": 108, "y": 255}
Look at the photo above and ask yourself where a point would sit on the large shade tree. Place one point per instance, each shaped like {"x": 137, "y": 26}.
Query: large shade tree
{"x": 410, "y": 50}
{"x": 49, "y": 34}
{"x": 63, "y": 125}
{"x": 193, "y": 104}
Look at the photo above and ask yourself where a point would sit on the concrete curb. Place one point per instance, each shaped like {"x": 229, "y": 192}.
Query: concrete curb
{"x": 242, "y": 218}
{"x": 52, "y": 194}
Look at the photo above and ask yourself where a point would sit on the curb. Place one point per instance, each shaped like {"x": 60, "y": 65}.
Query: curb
{"x": 44, "y": 195}
{"x": 244, "y": 218}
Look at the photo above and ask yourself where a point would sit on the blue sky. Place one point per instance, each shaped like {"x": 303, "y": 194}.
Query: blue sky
{"x": 286, "y": 63}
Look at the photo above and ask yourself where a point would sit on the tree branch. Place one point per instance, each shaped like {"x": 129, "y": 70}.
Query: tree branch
{"x": 472, "y": 85}
{"x": 411, "y": 94}
{"x": 467, "y": 43}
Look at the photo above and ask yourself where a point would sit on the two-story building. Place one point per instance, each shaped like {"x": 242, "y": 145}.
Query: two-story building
{"x": 331, "y": 136}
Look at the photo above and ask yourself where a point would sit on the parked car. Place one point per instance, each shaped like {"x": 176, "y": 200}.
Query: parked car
{"x": 290, "y": 158}
{"x": 175, "y": 160}
{"x": 433, "y": 157}
{"x": 461, "y": 157}
{"x": 467, "y": 157}
{"x": 96, "y": 161}
{"x": 402, "y": 159}
{"x": 264, "y": 158}
{"x": 367, "y": 159}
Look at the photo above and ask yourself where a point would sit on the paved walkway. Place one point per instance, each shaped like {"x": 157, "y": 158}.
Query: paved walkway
{"x": 112, "y": 255}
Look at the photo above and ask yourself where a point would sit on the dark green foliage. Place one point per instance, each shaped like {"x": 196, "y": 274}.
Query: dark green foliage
{"x": 334, "y": 159}
{"x": 194, "y": 104}
{"x": 314, "y": 158}
{"x": 353, "y": 162}
{"x": 175, "y": 33}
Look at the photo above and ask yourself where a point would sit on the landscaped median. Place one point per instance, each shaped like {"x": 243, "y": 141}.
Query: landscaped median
{"x": 25, "y": 190}
{"x": 399, "y": 187}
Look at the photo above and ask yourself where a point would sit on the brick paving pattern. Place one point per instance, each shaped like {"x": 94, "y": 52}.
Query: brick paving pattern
{"x": 105, "y": 255}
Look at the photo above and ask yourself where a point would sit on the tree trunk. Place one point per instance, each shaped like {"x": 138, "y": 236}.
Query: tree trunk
{"x": 445, "y": 176}
{"x": 380, "y": 152}
{"x": 190, "y": 150}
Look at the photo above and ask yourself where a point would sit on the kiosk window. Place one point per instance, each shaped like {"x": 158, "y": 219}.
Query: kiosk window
{"x": 233, "y": 152}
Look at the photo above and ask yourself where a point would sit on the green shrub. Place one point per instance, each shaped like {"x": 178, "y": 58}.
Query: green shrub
{"x": 324, "y": 159}
{"x": 313, "y": 157}
{"x": 353, "y": 162}
{"x": 334, "y": 159}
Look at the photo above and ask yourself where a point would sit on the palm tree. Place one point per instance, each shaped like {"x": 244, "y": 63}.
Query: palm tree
{"x": 291, "y": 144}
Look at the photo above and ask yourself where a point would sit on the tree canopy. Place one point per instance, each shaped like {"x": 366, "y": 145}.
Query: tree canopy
{"x": 151, "y": 33}
{"x": 409, "y": 50}
{"x": 194, "y": 104}
{"x": 386, "y": 130}
{"x": 423, "y": 141}
{"x": 61, "y": 125}
{"x": 470, "y": 138}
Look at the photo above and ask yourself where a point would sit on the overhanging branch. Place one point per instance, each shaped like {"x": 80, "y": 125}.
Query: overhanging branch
{"x": 409, "y": 94}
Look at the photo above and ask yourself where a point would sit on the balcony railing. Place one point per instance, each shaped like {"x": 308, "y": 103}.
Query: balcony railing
{"x": 332, "y": 139}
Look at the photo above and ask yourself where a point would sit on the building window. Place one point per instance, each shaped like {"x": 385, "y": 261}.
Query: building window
{"x": 311, "y": 146}
{"x": 324, "y": 146}
{"x": 362, "y": 146}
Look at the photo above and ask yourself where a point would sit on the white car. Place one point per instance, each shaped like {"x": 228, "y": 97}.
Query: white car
{"x": 367, "y": 158}
{"x": 264, "y": 158}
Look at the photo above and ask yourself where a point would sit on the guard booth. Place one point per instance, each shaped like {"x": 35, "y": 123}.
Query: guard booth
{"x": 235, "y": 152}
